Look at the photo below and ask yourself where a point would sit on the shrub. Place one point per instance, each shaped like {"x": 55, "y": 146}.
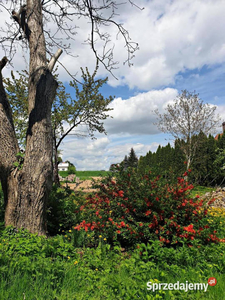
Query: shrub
{"x": 134, "y": 209}
{"x": 62, "y": 210}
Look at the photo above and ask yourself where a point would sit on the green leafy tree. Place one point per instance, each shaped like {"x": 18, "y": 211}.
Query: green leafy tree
{"x": 71, "y": 168}
{"x": 86, "y": 107}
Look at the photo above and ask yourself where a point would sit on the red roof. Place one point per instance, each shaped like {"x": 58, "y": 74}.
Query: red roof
{"x": 217, "y": 136}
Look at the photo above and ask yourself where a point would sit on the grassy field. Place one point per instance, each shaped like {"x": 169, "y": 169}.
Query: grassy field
{"x": 83, "y": 175}
{"x": 36, "y": 268}
{"x": 201, "y": 190}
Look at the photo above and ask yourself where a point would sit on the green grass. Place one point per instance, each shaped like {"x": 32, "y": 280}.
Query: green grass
{"x": 33, "y": 267}
{"x": 83, "y": 175}
{"x": 201, "y": 190}
{"x": 89, "y": 174}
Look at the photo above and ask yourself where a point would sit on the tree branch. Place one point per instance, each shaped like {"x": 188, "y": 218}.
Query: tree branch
{"x": 20, "y": 18}
{"x": 54, "y": 59}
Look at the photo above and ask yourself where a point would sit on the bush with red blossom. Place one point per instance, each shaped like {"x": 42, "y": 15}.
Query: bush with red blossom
{"x": 133, "y": 209}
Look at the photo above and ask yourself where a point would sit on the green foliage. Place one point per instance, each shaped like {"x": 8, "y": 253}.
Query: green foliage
{"x": 34, "y": 267}
{"x": 2, "y": 207}
{"x": 71, "y": 170}
{"x": 17, "y": 92}
{"x": 62, "y": 209}
{"x": 86, "y": 107}
{"x": 132, "y": 159}
{"x": 135, "y": 208}
{"x": 207, "y": 164}
{"x": 167, "y": 161}
{"x": 20, "y": 158}
{"x": 64, "y": 174}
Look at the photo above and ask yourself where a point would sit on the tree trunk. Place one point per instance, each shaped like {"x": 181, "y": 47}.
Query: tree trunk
{"x": 55, "y": 166}
{"x": 27, "y": 186}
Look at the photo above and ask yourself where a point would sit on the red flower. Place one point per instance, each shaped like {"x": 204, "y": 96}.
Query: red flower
{"x": 118, "y": 231}
{"x": 189, "y": 228}
{"x": 120, "y": 193}
{"x": 122, "y": 224}
{"x": 148, "y": 212}
{"x": 141, "y": 224}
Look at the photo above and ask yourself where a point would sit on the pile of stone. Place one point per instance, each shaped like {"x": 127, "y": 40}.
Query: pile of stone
{"x": 69, "y": 178}
{"x": 219, "y": 195}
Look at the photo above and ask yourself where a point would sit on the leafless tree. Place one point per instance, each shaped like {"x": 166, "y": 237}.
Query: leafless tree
{"x": 186, "y": 118}
{"x": 27, "y": 179}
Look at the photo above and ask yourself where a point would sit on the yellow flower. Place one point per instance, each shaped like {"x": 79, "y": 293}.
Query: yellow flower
{"x": 68, "y": 257}
{"x": 65, "y": 235}
{"x": 100, "y": 236}
{"x": 76, "y": 262}
{"x": 70, "y": 230}
{"x": 96, "y": 269}
{"x": 104, "y": 239}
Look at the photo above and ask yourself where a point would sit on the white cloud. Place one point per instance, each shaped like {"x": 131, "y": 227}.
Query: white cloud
{"x": 135, "y": 115}
{"x": 86, "y": 154}
{"x": 173, "y": 36}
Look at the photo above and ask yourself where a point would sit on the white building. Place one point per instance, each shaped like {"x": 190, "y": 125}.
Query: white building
{"x": 63, "y": 166}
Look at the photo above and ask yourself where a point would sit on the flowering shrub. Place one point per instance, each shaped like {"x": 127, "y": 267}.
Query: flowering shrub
{"x": 134, "y": 209}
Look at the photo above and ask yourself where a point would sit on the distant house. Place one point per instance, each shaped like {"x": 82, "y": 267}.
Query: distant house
{"x": 220, "y": 134}
{"x": 63, "y": 166}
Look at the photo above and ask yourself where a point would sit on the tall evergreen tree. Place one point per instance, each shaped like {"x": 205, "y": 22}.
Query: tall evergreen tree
{"x": 125, "y": 162}
{"x": 132, "y": 159}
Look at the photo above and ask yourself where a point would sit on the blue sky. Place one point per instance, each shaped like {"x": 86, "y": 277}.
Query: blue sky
{"x": 182, "y": 46}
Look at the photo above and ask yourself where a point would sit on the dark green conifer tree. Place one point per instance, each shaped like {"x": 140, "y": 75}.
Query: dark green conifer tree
{"x": 132, "y": 159}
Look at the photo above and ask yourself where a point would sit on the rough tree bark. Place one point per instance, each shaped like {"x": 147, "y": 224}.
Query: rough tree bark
{"x": 26, "y": 187}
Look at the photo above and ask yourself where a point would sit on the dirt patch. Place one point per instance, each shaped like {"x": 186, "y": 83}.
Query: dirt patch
{"x": 85, "y": 185}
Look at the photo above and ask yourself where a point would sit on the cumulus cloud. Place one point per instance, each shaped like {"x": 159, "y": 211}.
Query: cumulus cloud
{"x": 173, "y": 36}
{"x": 99, "y": 154}
{"x": 135, "y": 115}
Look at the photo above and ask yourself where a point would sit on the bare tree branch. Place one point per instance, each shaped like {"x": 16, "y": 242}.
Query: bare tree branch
{"x": 63, "y": 14}
{"x": 54, "y": 59}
